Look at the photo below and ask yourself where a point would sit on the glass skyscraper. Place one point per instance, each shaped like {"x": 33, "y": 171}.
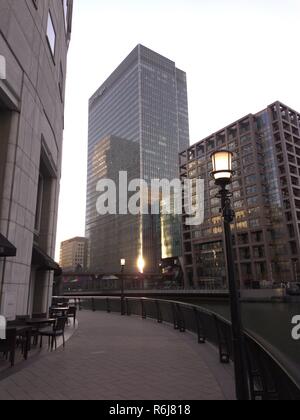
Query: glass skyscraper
{"x": 141, "y": 114}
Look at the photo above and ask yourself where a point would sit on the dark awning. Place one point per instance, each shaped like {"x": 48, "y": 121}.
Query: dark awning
{"x": 6, "y": 248}
{"x": 43, "y": 262}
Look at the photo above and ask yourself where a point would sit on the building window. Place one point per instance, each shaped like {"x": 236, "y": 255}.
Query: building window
{"x": 250, "y": 179}
{"x": 245, "y": 126}
{"x": 232, "y": 132}
{"x": 245, "y": 254}
{"x": 221, "y": 139}
{"x": 243, "y": 239}
{"x": 242, "y": 225}
{"x": 47, "y": 175}
{"x": 237, "y": 195}
{"x": 51, "y": 34}
{"x": 210, "y": 145}
{"x": 254, "y": 223}
{"x": 239, "y": 204}
{"x": 261, "y": 271}
{"x": 251, "y": 190}
{"x": 252, "y": 201}
{"x": 259, "y": 252}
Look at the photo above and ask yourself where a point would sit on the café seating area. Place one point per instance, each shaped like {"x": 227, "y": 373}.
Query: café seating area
{"x": 28, "y": 335}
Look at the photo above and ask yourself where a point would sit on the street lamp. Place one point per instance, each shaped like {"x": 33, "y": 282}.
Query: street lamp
{"x": 222, "y": 174}
{"x": 222, "y": 167}
{"x": 123, "y": 264}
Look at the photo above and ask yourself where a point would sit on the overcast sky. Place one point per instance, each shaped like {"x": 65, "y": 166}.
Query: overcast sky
{"x": 239, "y": 56}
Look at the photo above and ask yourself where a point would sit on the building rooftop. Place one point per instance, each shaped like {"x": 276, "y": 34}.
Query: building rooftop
{"x": 77, "y": 238}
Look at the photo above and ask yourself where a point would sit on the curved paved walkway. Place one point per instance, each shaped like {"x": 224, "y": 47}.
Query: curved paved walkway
{"x": 119, "y": 358}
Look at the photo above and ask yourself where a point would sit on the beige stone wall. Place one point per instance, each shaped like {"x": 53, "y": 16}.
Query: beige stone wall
{"x": 31, "y": 120}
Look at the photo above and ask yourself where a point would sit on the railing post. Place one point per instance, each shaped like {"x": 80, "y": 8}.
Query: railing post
{"x": 93, "y": 305}
{"x": 159, "y": 316}
{"x": 200, "y": 328}
{"x": 223, "y": 343}
{"x": 123, "y": 309}
{"x": 108, "y": 306}
{"x": 175, "y": 317}
{"x": 128, "y": 307}
{"x": 181, "y": 319}
{"x": 144, "y": 312}
{"x": 263, "y": 386}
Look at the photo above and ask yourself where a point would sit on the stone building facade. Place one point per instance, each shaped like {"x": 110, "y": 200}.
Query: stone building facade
{"x": 34, "y": 40}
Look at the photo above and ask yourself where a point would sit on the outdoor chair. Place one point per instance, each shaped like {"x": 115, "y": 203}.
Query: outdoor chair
{"x": 21, "y": 319}
{"x": 72, "y": 312}
{"x": 58, "y": 330}
{"x": 8, "y": 346}
{"x": 35, "y": 331}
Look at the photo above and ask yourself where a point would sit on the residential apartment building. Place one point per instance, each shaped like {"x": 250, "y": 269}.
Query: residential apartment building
{"x": 266, "y": 199}
{"x": 34, "y": 40}
{"x": 143, "y": 102}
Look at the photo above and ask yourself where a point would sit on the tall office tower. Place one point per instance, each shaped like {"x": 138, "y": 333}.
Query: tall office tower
{"x": 144, "y": 102}
{"x": 34, "y": 40}
{"x": 266, "y": 198}
{"x": 73, "y": 254}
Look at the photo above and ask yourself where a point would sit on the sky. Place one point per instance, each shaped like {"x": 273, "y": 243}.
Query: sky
{"x": 239, "y": 56}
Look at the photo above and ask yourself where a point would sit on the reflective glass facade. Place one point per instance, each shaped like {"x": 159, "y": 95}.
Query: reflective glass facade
{"x": 143, "y": 103}
{"x": 112, "y": 236}
{"x": 266, "y": 198}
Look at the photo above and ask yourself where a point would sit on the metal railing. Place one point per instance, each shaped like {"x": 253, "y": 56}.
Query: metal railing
{"x": 268, "y": 378}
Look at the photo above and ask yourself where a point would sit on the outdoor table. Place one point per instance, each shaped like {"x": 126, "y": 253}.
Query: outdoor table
{"x": 22, "y": 330}
{"x": 63, "y": 310}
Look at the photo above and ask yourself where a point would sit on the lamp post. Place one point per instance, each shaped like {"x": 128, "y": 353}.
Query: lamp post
{"x": 123, "y": 264}
{"x": 223, "y": 173}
